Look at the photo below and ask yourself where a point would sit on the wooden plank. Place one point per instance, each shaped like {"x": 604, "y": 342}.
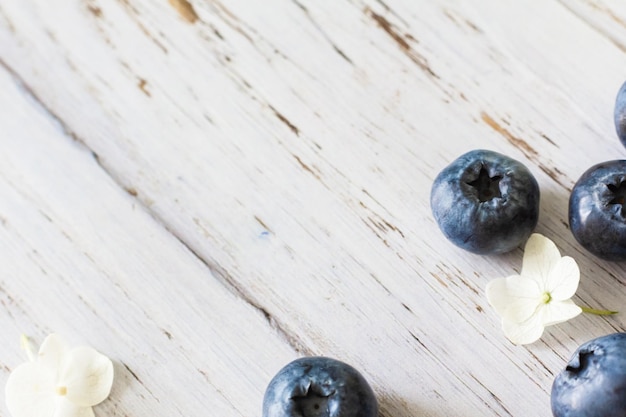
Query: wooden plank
{"x": 607, "y": 17}
{"x": 291, "y": 146}
{"x": 81, "y": 257}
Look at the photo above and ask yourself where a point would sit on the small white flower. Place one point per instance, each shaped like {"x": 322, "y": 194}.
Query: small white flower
{"x": 540, "y": 296}
{"x": 60, "y": 382}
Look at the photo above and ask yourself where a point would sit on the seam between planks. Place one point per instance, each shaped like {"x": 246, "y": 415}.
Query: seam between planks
{"x": 220, "y": 273}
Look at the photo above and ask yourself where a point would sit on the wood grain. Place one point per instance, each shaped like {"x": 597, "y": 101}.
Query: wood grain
{"x": 205, "y": 190}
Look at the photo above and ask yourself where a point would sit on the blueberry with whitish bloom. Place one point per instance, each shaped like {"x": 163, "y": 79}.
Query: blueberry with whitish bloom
{"x": 597, "y": 214}
{"x": 319, "y": 387}
{"x": 593, "y": 384}
{"x": 485, "y": 202}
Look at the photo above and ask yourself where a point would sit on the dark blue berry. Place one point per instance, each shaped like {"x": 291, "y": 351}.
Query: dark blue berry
{"x": 597, "y": 215}
{"x": 485, "y": 202}
{"x": 593, "y": 384}
{"x": 319, "y": 387}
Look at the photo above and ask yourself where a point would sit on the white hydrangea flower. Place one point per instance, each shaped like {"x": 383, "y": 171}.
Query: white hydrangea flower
{"x": 59, "y": 382}
{"x": 540, "y": 296}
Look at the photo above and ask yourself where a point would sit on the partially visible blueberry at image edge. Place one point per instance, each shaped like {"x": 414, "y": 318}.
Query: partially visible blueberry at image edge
{"x": 597, "y": 213}
{"x": 485, "y": 202}
{"x": 593, "y": 384}
{"x": 619, "y": 114}
{"x": 319, "y": 387}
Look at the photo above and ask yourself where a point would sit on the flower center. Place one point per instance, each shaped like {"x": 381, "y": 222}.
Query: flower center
{"x": 486, "y": 187}
{"x": 61, "y": 391}
{"x": 546, "y": 298}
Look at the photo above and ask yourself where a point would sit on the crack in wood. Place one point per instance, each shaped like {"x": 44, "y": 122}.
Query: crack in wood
{"x": 56, "y": 119}
{"x": 371, "y": 224}
{"x": 439, "y": 279}
{"x": 286, "y": 121}
{"x": 322, "y": 32}
{"x": 132, "y": 373}
{"x": 388, "y": 9}
{"x": 454, "y": 373}
{"x": 381, "y": 223}
{"x": 95, "y": 10}
{"x": 142, "y": 85}
{"x": 134, "y": 14}
{"x": 238, "y": 290}
{"x": 453, "y": 277}
{"x": 519, "y": 143}
{"x": 463, "y": 21}
{"x": 306, "y": 167}
{"x": 530, "y": 152}
{"x": 543, "y": 365}
{"x": 232, "y": 20}
{"x": 602, "y": 31}
{"x": 550, "y": 141}
{"x": 493, "y": 395}
{"x": 262, "y": 223}
{"x": 402, "y": 41}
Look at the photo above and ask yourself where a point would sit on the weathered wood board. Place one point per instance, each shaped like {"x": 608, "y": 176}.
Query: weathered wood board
{"x": 207, "y": 190}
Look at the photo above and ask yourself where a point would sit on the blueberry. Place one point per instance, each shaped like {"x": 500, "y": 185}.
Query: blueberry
{"x": 319, "y": 387}
{"x": 619, "y": 114}
{"x": 597, "y": 215}
{"x": 485, "y": 202}
{"x": 593, "y": 384}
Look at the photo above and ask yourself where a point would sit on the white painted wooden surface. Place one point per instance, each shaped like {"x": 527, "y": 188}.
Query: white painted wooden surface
{"x": 207, "y": 190}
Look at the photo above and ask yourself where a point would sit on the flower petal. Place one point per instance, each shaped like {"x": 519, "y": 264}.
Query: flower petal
{"x": 556, "y": 312}
{"x": 540, "y": 257}
{"x": 514, "y": 298}
{"x": 52, "y": 350}
{"x": 563, "y": 279}
{"x": 30, "y": 391}
{"x": 523, "y": 333}
{"x": 65, "y": 408}
{"x": 87, "y": 376}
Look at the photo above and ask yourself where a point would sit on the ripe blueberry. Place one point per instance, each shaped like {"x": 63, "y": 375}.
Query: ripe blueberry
{"x": 597, "y": 215}
{"x": 485, "y": 202}
{"x": 619, "y": 114}
{"x": 319, "y": 387}
{"x": 593, "y": 384}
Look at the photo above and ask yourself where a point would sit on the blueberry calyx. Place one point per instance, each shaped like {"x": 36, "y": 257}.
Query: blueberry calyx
{"x": 579, "y": 361}
{"x": 487, "y": 187}
{"x": 314, "y": 399}
{"x": 619, "y": 197}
